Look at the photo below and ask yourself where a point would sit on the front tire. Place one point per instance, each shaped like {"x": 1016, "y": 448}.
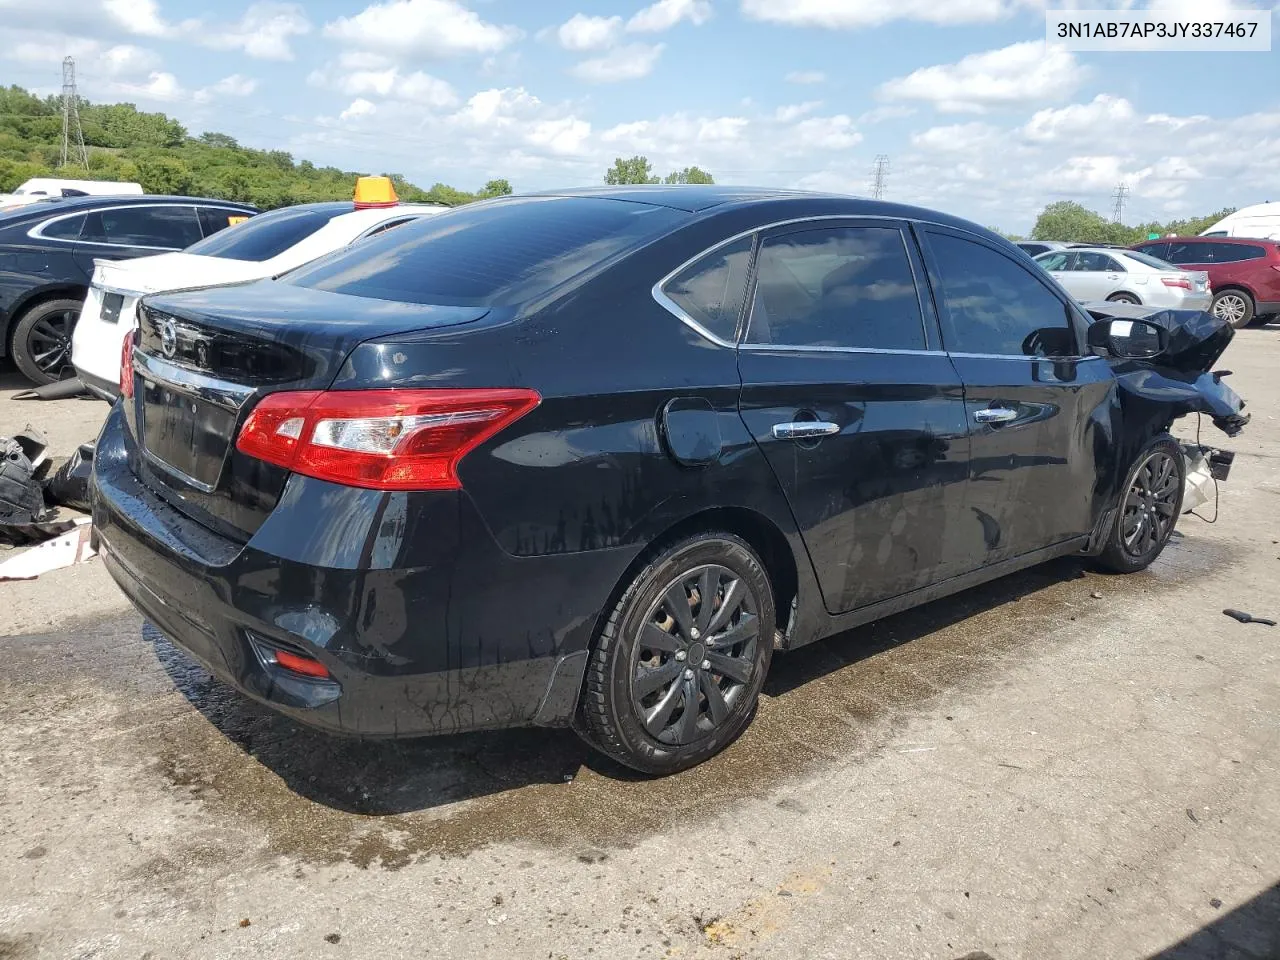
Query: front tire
{"x": 1234, "y": 306}
{"x": 676, "y": 672}
{"x": 42, "y": 340}
{"x": 1150, "y": 503}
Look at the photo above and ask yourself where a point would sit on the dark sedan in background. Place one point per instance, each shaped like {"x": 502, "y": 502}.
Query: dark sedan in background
{"x": 47, "y": 249}
{"x": 589, "y": 458}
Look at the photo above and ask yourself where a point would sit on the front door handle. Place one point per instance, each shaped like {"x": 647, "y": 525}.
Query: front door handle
{"x": 804, "y": 430}
{"x": 995, "y": 415}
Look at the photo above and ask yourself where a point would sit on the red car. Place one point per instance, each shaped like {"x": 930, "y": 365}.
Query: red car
{"x": 1244, "y": 274}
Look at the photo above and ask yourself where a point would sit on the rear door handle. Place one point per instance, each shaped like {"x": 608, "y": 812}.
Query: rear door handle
{"x": 995, "y": 415}
{"x": 804, "y": 430}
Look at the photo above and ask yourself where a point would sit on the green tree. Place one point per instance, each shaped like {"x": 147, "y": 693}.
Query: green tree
{"x": 496, "y": 188}
{"x": 689, "y": 175}
{"x": 163, "y": 174}
{"x": 635, "y": 170}
{"x": 219, "y": 140}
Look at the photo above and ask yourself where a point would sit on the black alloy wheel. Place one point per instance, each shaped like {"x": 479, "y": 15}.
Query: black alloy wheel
{"x": 676, "y": 671}
{"x": 695, "y": 654}
{"x": 42, "y": 340}
{"x": 1149, "y": 507}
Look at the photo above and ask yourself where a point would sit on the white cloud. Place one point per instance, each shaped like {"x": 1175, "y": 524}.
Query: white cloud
{"x": 823, "y": 133}
{"x": 390, "y": 83}
{"x": 806, "y": 76}
{"x": 362, "y": 60}
{"x": 890, "y": 112}
{"x": 665, "y": 14}
{"x": 358, "y": 108}
{"x": 232, "y": 86}
{"x": 126, "y": 60}
{"x": 852, "y": 14}
{"x": 795, "y": 111}
{"x": 159, "y": 85}
{"x": 1047, "y": 126}
{"x": 565, "y": 136}
{"x": 957, "y": 138}
{"x": 622, "y": 63}
{"x": 140, "y": 17}
{"x": 1019, "y": 74}
{"x": 93, "y": 58}
{"x": 263, "y": 32}
{"x": 580, "y": 32}
{"x": 427, "y": 28}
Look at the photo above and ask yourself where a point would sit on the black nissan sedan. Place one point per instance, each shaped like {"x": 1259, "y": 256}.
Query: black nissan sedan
{"x": 590, "y": 458}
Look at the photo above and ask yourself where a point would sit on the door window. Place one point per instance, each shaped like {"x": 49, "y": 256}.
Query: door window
{"x": 213, "y": 219}
{"x": 1058, "y": 262}
{"x": 711, "y": 289}
{"x": 994, "y": 305}
{"x": 1158, "y": 250}
{"x": 837, "y": 287}
{"x": 1097, "y": 263}
{"x": 170, "y": 227}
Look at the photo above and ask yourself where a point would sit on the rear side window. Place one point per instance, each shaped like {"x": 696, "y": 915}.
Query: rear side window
{"x": 1235, "y": 252}
{"x": 171, "y": 228}
{"x": 1096, "y": 263}
{"x": 498, "y": 253}
{"x": 1158, "y": 250}
{"x": 66, "y": 228}
{"x": 711, "y": 290}
{"x": 213, "y": 219}
{"x": 993, "y": 305}
{"x": 837, "y": 287}
{"x": 264, "y": 236}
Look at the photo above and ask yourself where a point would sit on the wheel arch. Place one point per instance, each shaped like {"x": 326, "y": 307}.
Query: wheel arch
{"x": 1111, "y": 297}
{"x": 1236, "y": 287}
{"x": 33, "y": 299}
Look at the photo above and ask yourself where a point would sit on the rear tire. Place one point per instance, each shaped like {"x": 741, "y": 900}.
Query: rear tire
{"x": 1150, "y": 504}
{"x": 1234, "y": 306}
{"x": 42, "y": 340}
{"x": 676, "y": 672}
{"x": 1123, "y": 298}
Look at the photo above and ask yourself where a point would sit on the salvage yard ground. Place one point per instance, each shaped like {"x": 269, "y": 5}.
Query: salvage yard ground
{"x": 1057, "y": 765}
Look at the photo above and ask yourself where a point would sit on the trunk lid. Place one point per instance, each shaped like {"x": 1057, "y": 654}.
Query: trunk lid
{"x": 170, "y": 271}
{"x": 204, "y": 358}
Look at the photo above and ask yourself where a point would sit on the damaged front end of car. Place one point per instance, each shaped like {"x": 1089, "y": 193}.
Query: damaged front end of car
{"x": 1163, "y": 363}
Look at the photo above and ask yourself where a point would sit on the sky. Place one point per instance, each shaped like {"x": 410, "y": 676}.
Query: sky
{"x": 977, "y": 116}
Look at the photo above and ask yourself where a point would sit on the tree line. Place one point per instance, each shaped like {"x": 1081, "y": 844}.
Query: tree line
{"x": 152, "y": 149}
{"x": 1067, "y": 220}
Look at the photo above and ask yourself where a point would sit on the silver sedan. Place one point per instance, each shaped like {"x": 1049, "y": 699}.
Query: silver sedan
{"x": 1127, "y": 276}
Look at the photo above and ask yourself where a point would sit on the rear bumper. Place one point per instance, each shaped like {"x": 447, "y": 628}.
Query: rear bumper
{"x": 100, "y": 387}
{"x": 480, "y": 640}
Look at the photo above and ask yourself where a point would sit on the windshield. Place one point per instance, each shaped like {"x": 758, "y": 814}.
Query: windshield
{"x": 264, "y": 236}
{"x": 1149, "y": 260}
{"x": 489, "y": 254}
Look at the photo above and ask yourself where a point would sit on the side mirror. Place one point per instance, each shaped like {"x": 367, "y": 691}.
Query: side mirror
{"x": 1128, "y": 339}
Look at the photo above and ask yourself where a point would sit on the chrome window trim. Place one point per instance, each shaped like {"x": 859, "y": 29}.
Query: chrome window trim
{"x": 37, "y": 232}
{"x": 790, "y": 348}
{"x": 1025, "y": 356}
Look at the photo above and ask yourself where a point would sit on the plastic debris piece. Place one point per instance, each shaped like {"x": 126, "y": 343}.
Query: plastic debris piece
{"x": 58, "y": 390}
{"x": 1248, "y": 618}
{"x": 72, "y": 547}
{"x": 69, "y": 486}
{"x": 21, "y": 501}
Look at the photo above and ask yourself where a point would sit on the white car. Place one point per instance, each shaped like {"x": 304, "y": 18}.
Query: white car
{"x": 42, "y": 188}
{"x": 265, "y": 246}
{"x": 1126, "y": 276}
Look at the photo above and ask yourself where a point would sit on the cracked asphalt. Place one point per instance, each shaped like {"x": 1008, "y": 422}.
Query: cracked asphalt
{"x": 1058, "y": 765}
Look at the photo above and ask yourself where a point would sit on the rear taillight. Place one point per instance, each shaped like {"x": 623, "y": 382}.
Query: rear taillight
{"x": 126, "y": 366}
{"x": 1183, "y": 283}
{"x": 380, "y": 439}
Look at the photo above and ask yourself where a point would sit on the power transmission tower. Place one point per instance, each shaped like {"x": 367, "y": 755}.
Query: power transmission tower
{"x": 881, "y": 175}
{"x": 71, "y": 116}
{"x": 1121, "y": 194}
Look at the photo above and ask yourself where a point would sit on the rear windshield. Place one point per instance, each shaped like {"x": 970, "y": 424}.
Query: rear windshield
{"x": 489, "y": 254}
{"x": 264, "y": 236}
{"x": 1149, "y": 260}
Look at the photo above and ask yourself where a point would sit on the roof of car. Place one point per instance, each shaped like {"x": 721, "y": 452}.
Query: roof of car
{"x": 692, "y": 198}
{"x": 55, "y": 205}
{"x": 1246, "y": 240}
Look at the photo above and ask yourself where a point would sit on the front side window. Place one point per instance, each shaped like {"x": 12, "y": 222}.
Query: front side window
{"x": 837, "y": 287}
{"x": 994, "y": 305}
{"x": 1180, "y": 253}
{"x": 1058, "y": 262}
{"x": 1158, "y": 250}
{"x": 172, "y": 228}
{"x": 711, "y": 289}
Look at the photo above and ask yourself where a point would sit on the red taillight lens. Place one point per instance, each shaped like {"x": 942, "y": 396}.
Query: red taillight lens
{"x": 1181, "y": 282}
{"x": 126, "y": 365}
{"x": 380, "y": 439}
{"x": 298, "y": 664}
